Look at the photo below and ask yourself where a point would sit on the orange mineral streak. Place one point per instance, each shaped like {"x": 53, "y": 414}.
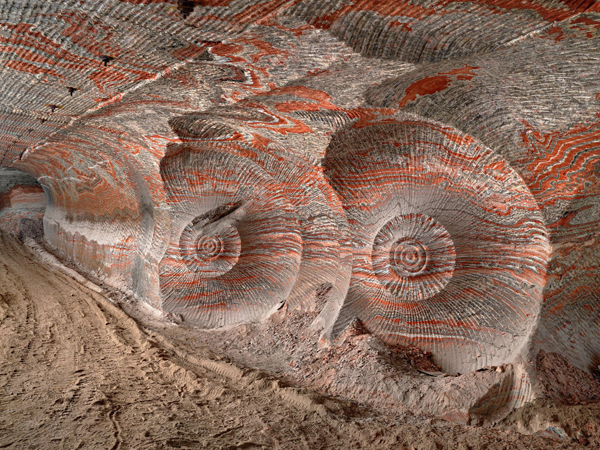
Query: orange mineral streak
{"x": 265, "y": 49}
{"x": 434, "y": 84}
{"x": 383, "y": 7}
{"x": 280, "y": 124}
{"x": 563, "y": 162}
{"x": 107, "y": 77}
{"x": 409, "y": 10}
{"x": 567, "y": 9}
{"x": 556, "y": 33}
{"x": 22, "y": 195}
{"x": 259, "y": 12}
{"x": 229, "y": 51}
{"x": 370, "y": 116}
{"x": 309, "y": 99}
{"x": 586, "y": 21}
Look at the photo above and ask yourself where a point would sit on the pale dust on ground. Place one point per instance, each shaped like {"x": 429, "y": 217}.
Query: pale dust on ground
{"x": 76, "y": 372}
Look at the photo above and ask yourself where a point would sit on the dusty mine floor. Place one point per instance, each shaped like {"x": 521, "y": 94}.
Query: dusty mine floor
{"x": 76, "y": 372}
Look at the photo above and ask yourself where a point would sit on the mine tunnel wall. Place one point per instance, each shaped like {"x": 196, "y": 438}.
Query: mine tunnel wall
{"x": 313, "y": 174}
{"x": 22, "y": 204}
{"x": 100, "y": 213}
{"x": 106, "y": 208}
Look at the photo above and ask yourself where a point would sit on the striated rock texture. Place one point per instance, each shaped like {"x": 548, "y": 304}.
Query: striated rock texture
{"x": 430, "y": 170}
{"x": 22, "y": 204}
{"x": 450, "y": 248}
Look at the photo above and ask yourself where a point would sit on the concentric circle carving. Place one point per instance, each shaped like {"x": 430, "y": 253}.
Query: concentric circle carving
{"x": 210, "y": 254}
{"x": 209, "y": 247}
{"x": 413, "y": 257}
{"x": 408, "y": 257}
{"x": 450, "y": 250}
{"x": 236, "y": 241}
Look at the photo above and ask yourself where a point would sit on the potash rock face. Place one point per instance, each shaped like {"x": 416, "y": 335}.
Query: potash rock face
{"x": 22, "y": 204}
{"x": 429, "y": 170}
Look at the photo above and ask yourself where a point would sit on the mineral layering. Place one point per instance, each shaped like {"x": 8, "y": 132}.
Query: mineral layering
{"x": 429, "y": 169}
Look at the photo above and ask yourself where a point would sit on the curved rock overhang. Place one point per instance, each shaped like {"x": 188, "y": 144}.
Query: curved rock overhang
{"x": 431, "y": 170}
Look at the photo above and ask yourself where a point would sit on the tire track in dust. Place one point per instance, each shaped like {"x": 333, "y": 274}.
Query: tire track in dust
{"x": 107, "y": 375}
{"x": 82, "y": 374}
{"x": 118, "y": 438}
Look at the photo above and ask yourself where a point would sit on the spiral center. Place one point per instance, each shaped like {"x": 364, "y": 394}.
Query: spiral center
{"x": 413, "y": 256}
{"x": 209, "y": 247}
{"x": 408, "y": 256}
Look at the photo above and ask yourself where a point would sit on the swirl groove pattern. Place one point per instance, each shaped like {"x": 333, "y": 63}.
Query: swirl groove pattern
{"x": 236, "y": 243}
{"x": 210, "y": 254}
{"x": 450, "y": 250}
{"x": 222, "y": 160}
{"x": 413, "y": 257}
{"x": 325, "y": 265}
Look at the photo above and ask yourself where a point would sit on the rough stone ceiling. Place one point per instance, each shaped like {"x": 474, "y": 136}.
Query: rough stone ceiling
{"x": 62, "y": 59}
{"x": 430, "y": 168}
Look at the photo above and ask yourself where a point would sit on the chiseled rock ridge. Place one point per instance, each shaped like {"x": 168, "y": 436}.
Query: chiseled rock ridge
{"x": 429, "y": 169}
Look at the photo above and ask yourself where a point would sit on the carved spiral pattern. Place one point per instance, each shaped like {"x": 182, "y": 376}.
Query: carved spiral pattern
{"x": 210, "y": 247}
{"x": 236, "y": 242}
{"x": 449, "y": 246}
{"x": 413, "y": 257}
{"x": 445, "y": 247}
{"x": 209, "y": 253}
{"x": 322, "y": 278}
